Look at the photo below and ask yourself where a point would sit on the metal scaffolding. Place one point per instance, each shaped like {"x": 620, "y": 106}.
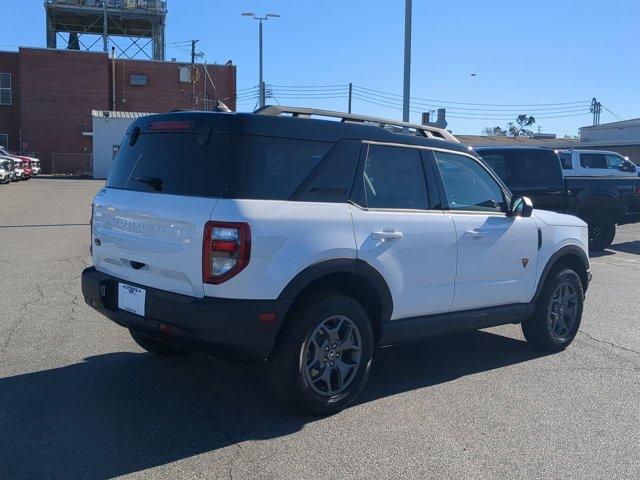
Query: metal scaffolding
{"x": 136, "y": 28}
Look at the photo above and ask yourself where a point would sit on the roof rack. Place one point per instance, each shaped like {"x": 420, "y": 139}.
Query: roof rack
{"x": 393, "y": 125}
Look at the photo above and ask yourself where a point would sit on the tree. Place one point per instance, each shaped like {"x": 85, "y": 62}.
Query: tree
{"x": 494, "y": 131}
{"x": 517, "y": 129}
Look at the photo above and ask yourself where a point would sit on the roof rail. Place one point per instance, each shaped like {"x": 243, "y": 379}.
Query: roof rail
{"x": 396, "y": 125}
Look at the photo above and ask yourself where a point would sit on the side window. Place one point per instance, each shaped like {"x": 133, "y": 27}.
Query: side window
{"x": 393, "y": 178}
{"x": 280, "y": 165}
{"x": 614, "y": 162}
{"x": 593, "y": 160}
{"x": 565, "y": 158}
{"x": 468, "y": 185}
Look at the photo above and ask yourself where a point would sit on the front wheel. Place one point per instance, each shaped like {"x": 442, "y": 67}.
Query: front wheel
{"x": 323, "y": 358}
{"x": 556, "y": 319}
{"x": 602, "y": 230}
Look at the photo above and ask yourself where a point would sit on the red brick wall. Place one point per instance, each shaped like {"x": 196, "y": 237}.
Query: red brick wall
{"x": 58, "y": 91}
{"x": 10, "y": 114}
{"x": 165, "y": 92}
{"x": 54, "y": 92}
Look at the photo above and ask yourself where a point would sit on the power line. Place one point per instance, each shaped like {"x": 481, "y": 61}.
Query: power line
{"x": 477, "y": 104}
{"x": 612, "y": 113}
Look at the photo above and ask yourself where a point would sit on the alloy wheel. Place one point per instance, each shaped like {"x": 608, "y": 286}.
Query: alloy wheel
{"x": 563, "y": 311}
{"x": 331, "y": 355}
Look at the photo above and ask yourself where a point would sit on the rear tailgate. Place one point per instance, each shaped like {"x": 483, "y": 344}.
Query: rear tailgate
{"x": 152, "y": 240}
{"x": 148, "y": 223}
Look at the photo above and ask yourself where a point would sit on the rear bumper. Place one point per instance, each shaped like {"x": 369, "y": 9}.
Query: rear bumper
{"x": 220, "y": 327}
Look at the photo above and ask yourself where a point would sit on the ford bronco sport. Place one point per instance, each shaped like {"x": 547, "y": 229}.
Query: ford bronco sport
{"x": 308, "y": 243}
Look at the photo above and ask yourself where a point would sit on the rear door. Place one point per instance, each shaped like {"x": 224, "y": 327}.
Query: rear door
{"x": 148, "y": 223}
{"x": 497, "y": 254}
{"x": 401, "y": 230}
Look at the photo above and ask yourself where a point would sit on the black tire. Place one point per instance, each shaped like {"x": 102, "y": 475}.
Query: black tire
{"x": 538, "y": 329}
{"x": 602, "y": 230}
{"x": 156, "y": 347}
{"x": 287, "y": 366}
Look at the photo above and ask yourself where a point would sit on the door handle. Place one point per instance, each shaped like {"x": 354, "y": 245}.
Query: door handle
{"x": 387, "y": 234}
{"x": 474, "y": 234}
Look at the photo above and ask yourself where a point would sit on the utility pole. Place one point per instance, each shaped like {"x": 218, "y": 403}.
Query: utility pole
{"x": 596, "y": 109}
{"x": 406, "y": 94}
{"x": 105, "y": 28}
{"x": 261, "y": 84}
{"x": 350, "y": 95}
{"x": 193, "y": 73}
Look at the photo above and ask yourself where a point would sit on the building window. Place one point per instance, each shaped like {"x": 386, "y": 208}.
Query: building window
{"x": 4, "y": 141}
{"x": 138, "y": 80}
{"x": 6, "y": 98}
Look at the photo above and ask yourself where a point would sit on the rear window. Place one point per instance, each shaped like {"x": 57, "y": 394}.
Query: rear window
{"x": 517, "y": 166}
{"x": 236, "y": 166}
{"x": 171, "y": 163}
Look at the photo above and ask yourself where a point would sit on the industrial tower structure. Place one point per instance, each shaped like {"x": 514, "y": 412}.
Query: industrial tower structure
{"x": 138, "y": 26}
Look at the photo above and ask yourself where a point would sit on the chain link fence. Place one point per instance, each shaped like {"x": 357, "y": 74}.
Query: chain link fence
{"x": 78, "y": 164}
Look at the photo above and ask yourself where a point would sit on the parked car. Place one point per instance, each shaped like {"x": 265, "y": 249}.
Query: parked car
{"x": 595, "y": 163}
{"x": 35, "y": 166}
{"x": 33, "y": 163}
{"x": 18, "y": 171}
{"x": 601, "y": 202}
{"x": 5, "y": 172}
{"x": 310, "y": 243}
{"x": 26, "y": 166}
{"x": 8, "y": 165}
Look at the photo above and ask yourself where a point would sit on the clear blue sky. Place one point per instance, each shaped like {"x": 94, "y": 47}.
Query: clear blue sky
{"x": 530, "y": 52}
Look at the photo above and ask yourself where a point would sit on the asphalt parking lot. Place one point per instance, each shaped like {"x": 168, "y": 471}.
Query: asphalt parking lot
{"x": 78, "y": 399}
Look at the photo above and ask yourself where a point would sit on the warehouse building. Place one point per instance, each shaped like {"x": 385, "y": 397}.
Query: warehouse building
{"x": 47, "y": 97}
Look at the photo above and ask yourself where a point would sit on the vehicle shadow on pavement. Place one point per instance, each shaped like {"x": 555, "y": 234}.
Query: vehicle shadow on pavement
{"x": 438, "y": 360}
{"x": 120, "y": 413}
{"x": 627, "y": 247}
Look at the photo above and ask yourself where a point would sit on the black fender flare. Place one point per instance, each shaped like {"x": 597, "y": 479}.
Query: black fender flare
{"x": 572, "y": 250}
{"x": 352, "y": 266}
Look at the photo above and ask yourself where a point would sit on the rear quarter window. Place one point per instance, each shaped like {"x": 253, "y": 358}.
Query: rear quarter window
{"x": 280, "y": 165}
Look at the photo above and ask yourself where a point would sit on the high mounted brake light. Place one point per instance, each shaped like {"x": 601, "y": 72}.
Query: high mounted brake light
{"x": 226, "y": 250}
{"x": 169, "y": 126}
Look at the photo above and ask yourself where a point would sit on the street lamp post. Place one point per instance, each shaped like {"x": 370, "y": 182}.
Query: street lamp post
{"x": 260, "y": 20}
{"x": 407, "y": 62}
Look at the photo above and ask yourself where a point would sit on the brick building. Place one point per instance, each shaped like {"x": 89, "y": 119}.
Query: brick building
{"x": 47, "y": 96}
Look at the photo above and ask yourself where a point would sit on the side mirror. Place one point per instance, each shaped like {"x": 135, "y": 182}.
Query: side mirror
{"x": 521, "y": 207}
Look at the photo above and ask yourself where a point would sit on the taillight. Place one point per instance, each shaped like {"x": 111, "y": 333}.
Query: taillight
{"x": 226, "y": 250}
{"x": 636, "y": 191}
{"x": 91, "y": 232}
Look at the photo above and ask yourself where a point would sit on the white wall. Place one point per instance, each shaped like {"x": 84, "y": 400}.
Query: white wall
{"x": 612, "y": 132}
{"x": 107, "y": 132}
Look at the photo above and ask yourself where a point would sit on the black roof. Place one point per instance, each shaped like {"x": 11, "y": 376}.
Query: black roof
{"x": 291, "y": 127}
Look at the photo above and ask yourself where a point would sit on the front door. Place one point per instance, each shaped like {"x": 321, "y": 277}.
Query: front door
{"x": 497, "y": 254}
{"x": 401, "y": 230}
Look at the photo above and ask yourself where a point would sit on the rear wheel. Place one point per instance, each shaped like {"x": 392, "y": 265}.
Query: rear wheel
{"x": 323, "y": 359}
{"x": 156, "y": 347}
{"x": 602, "y": 230}
{"x": 558, "y": 313}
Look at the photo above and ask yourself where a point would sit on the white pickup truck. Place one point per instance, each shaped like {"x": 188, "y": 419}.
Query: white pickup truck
{"x": 596, "y": 163}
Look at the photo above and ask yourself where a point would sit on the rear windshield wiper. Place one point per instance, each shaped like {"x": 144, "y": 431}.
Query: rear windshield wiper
{"x": 154, "y": 182}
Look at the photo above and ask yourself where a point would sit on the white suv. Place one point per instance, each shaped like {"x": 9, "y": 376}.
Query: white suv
{"x": 310, "y": 243}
